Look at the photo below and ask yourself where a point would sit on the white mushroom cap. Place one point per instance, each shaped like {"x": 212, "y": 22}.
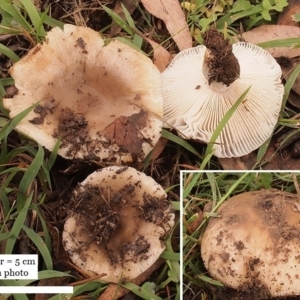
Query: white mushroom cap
{"x": 121, "y": 217}
{"x": 103, "y": 100}
{"x": 255, "y": 244}
{"x": 194, "y": 108}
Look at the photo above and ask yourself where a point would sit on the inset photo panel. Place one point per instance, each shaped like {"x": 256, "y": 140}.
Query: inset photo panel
{"x": 240, "y": 235}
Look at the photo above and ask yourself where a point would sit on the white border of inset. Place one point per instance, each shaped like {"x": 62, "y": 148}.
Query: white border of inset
{"x": 36, "y": 289}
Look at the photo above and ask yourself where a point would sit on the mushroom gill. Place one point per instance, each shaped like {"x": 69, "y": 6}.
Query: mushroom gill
{"x": 202, "y": 83}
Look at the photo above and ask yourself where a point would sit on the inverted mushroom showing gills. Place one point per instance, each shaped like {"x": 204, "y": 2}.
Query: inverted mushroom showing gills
{"x": 118, "y": 223}
{"x": 254, "y": 246}
{"x": 201, "y": 84}
{"x": 103, "y": 101}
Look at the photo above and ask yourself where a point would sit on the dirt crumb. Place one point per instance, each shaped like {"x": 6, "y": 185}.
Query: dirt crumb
{"x": 222, "y": 64}
{"x": 153, "y": 209}
{"x": 42, "y": 111}
{"x": 130, "y": 251}
{"x": 239, "y": 245}
{"x": 73, "y": 130}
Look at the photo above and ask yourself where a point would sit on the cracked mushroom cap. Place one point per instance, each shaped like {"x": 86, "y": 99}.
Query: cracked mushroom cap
{"x": 255, "y": 244}
{"x": 119, "y": 220}
{"x": 194, "y": 107}
{"x": 104, "y": 101}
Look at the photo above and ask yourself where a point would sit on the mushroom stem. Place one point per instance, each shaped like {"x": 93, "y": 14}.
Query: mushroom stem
{"x": 219, "y": 65}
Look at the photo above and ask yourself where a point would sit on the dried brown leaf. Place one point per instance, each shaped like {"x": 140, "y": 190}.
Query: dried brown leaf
{"x": 274, "y": 159}
{"x": 130, "y": 6}
{"x": 124, "y": 131}
{"x": 287, "y": 68}
{"x": 158, "y": 148}
{"x": 161, "y": 57}
{"x": 286, "y": 16}
{"x": 267, "y": 33}
{"x": 233, "y": 163}
{"x": 173, "y": 16}
{"x": 114, "y": 291}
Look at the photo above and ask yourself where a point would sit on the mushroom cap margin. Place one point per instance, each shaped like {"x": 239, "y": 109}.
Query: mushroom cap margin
{"x": 95, "y": 259}
{"x": 255, "y": 243}
{"x": 47, "y": 74}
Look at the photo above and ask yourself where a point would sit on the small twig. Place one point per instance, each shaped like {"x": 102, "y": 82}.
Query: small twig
{"x": 88, "y": 279}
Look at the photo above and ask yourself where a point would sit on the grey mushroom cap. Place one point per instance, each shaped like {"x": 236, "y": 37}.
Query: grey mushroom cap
{"x": 119, "y": 222}
{"x": 195, "y": 108}
{"x": 103, "y": 101}
{"x": 254, "y": 245}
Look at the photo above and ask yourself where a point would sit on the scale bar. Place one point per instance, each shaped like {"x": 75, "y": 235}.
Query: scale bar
{"x": 36, "y": 289}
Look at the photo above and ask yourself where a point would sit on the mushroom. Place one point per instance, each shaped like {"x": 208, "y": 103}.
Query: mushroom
{"x": 254, "y": 246}
{"x": 118, "y": 221}
{"x": 103, "y": 100}
{"x": 202, "y": 83}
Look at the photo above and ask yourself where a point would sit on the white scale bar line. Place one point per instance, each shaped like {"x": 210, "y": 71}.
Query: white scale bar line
{"x": 36, "y": 290}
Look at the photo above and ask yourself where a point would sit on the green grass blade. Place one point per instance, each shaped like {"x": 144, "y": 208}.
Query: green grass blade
{"x": 4, "y": 202}
{"x": 41, "y": 246}
{"x": 2, "y": 91}
{"x": 206, "y": 160}
{"x": 280, "y": 43}
{"x": 16, "y": 228}
{"x": 128, "y": 16}
{"x": 47, "y": 236}
{"x": 187, "y": 190}
{"x": 45, "y": 274}
{"x": 86, "y": 287}
{"x": 14, "y": 11}
{"x": 263, "y": 149}
{"x": 118, "y": 20}
{"x": 229, "y": 18}
{"x": 176, "y": 205}
{"x": 209, "y": 280}
{"x": 9, "y": 53}
{"x": 230, "y": 190}
{"x": 10, "y": 155}
{"x": 9, "y": 178}
{"x": 223, "y": 122}
{"x": 3, "y": 122}
{"x": 34, "y": 17}
{"x": 288, "y": 86}
{"x": 140, "y": 291}
{"x": 7, "y": 81}
{"x": 137, "y": 39}
{"x": 4, "y": 236}
{"x": 128, "y": 42}
{"x": 29, "y": 176}
{"x": 170, "y": 255}
{"x": 13, "y": 122}
{"x": 50, "y": 21}
{"x": 174, "y": 138}
{"x": 53, "y": 154}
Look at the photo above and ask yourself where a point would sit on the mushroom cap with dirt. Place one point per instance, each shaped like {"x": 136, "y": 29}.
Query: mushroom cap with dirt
{"x": 103, "y": 100}
{"x": 118, "y": 222}
{"x": 254, "y": 246}
{"x": 201, "y": 84}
